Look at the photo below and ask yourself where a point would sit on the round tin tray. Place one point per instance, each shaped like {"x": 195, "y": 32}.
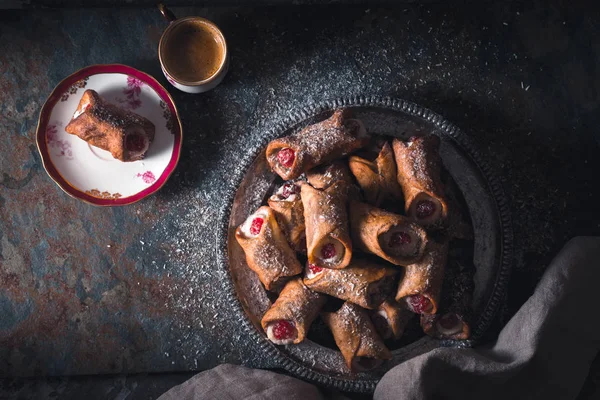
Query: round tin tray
{"x": 253, "y": 182}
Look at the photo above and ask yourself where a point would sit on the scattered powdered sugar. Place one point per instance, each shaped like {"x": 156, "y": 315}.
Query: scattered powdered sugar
{"x": 421, "y": 163}
{"x": 272, "y": 254}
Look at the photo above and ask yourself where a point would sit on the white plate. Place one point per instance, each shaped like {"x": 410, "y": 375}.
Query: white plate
{"x": 90, "y": 173}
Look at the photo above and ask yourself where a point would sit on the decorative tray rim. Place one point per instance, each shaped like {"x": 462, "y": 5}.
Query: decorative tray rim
{"x": 449, "y": 130}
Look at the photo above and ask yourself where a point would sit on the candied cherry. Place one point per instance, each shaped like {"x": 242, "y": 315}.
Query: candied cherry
{"x": 286, "y": 157}
{"x": 256, "y": 225}
{"x": 419, "y": 304}
{"x": 289, "y": 189}
{"x": 315, "y": 269}
{"x": 283, "y": 329}
{"x": 425, "y": 208}
{"x": 328, "y": 251}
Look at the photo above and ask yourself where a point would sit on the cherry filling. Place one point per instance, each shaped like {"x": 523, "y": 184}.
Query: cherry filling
{"x": 425, "y": 208}
{"x": 315, "y": 269}
{"x": 283, "y": 330}
{"x": 449, "y": 321}
{"x": 328, "y": 251}
{"x": 256, "y": 225}
{"x": 135, "y": 143}
{"x": 286, "y": 157}
{"x": 398, "y": 239}
{"x": 419, "y": 304}
{"x": 289, "y": 189}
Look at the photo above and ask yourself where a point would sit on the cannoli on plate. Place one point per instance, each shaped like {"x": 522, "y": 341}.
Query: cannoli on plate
{"x": 125, "y": 134}
{"x": 421, "y": 285}
{"x": 326, "y": 219}
{"x": 316, "y": 144}
{"x": 419, "y": 167}
{"x": 356, "y": 338}
{"x": 363, "y": 282}
{"x": 290, "y": 317}
{"x": 267, "y": 251}
{"x": 390, "y": 236}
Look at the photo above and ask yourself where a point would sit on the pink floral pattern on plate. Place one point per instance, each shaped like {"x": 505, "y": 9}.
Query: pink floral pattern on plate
{"x": 148, "y": 177}
{"x": 63, "y": 147}
{"x": 132, "y": 93}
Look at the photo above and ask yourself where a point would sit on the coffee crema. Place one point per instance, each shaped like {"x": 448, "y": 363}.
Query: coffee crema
{"x": 193, "y": 52}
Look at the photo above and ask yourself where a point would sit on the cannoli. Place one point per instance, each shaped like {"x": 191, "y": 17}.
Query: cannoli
{"x": 419, "y": 167}
{"x": 421, "y": 285}
{"x": 378, "y": 178}
{"x": 289, "y": 211}
{"x": 125, "y": 134}
{"x": 316, "y": 144}
{"x": 389, "y": 236}
{"x": 289, "y": 318}
{"x": 362, "y": 282}
{"x": 326, "y": 218}
{"x": 267, "y": 251}
{"x": 390, "y": 319}
{"x": 453, "y": 319}
{"x": 356, "y": 338}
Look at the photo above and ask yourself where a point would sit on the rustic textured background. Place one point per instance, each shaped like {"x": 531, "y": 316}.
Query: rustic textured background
{"x": 522, "y": 80}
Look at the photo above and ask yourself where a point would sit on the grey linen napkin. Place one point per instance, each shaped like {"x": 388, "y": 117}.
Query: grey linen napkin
{"x": 544, "y": 352}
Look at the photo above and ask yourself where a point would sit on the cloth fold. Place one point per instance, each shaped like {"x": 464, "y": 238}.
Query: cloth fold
{"x": 544, "y": 352}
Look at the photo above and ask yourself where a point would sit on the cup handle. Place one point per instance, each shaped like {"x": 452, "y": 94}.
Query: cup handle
{"x": 168, "y": 14}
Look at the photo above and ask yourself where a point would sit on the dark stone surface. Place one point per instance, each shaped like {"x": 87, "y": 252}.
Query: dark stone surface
{"x": 522, "y": 80}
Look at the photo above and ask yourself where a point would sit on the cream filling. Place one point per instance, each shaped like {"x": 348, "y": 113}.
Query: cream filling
{"x": 80, "y": 109}
{"x": 248, "y": 223}
{"x": 278, "y": 196}
{"x": 272, "y": 338}
{"x": 310, "y": 274}
{"x": 339, "y": 253}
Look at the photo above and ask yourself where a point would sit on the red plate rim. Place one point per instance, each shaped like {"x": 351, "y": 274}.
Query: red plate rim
{"x": 54, "y": 97}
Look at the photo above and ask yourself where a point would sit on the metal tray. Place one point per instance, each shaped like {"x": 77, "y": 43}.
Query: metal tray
{"x": 484, "y": 197}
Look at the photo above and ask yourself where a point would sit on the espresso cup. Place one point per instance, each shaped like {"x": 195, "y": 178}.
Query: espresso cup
{"x": 192, "y": 52}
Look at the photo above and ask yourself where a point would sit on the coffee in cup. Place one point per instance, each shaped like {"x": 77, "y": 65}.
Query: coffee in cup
{"x": 193, "y": 53}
